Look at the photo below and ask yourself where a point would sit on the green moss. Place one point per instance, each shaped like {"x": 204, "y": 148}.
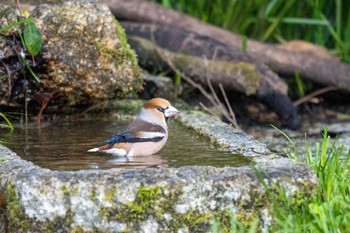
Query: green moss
{"x": 129, "y": 107}
{"x": 193, "y": 219}
{"x": 79, "y": 230}
{"x": 92, "y": 195}
{"x": 124, "y": 42}
{"x": 122, "y": 54}
{"x": 64, "y": 190}
{"x": 16, "y": 218}
{"x": 198, "y": 113}
{"x": 75, "y": 191}
{"x": 110, "y": 194}
{"x": 2, "y": 158}
{"x": 223, "y": 218}
{"x": 143, "y": 206}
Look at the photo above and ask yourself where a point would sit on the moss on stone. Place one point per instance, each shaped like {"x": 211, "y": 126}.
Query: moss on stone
{"x": 129, "y": 107}
{"x": 131, "y": 55}
{"x": 17, "y": 220}
{"x": 142, "y": 207}
{"x": 75, "y": 191}
{"x": 150, "y": 201}
{"x": 65, "y": 191}
{"x": 92, "y": 195}
{"x": 110, "y": 194}
{"x": 2, "y": 158}
{"x": 193, "y": 219}
{"x": 223, "y": 218}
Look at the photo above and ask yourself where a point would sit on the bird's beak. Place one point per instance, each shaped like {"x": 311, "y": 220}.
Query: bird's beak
{"x": 170, "y": 111}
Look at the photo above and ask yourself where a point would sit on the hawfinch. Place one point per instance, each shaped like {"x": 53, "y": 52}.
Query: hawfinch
{"x": 144, "y": 136}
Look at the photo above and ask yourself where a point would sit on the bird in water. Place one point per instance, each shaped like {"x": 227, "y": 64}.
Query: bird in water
{"x": 146, "y": 135}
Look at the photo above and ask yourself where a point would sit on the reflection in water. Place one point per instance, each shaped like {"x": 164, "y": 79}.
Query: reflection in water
{"x": 63, "y": 146}
{"x": 138, "y": 161}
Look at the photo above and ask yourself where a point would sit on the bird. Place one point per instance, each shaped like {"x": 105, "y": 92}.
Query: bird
{"x": 146, "y": 135}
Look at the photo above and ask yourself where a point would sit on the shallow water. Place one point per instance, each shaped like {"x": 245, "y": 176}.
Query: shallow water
{"x": 63, "y": 146}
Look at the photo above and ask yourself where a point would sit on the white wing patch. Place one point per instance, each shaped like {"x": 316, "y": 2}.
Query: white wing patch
{"x": 151, "y": 134}
{"x": 116, "y": 151}
{"x": 112, "y": 151}
{"x": 94, "y": 149}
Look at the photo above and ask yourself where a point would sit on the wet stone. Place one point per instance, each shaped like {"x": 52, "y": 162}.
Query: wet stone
{"x": 162, "y": 199}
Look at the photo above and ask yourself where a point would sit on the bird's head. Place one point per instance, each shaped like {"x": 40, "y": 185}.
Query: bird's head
{"x": 157, "y": 111}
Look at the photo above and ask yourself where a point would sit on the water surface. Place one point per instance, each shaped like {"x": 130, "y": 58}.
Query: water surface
{"x": 63, "y": 146}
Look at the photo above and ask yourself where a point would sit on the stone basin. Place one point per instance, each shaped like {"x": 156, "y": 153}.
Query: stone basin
{"x": 185, "y": 199}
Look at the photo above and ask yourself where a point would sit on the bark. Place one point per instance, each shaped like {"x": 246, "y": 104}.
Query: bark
{"x": 234, "y": 75}
{"x": 319, "y": 69}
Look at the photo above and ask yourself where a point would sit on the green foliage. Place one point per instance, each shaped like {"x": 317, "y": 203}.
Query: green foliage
{"x": 227, "y": 222}
{"x": 8, "y": 122}
{"x": 32, "y": 38}
{"x": 65, "y": 191}
{"x": 321, "y": 22}
{"x": 244, "y": 45}
{"x": 326, "y": 211}
{"x": 145, "y": 199}
{"x": 14, "y": 25}
{"x": 110, "y": 194}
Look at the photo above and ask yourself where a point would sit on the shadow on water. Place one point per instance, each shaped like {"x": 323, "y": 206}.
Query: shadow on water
{"x": 63, "y": 146}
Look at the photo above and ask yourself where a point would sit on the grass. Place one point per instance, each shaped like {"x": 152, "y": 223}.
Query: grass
{"x": 327, "y": 211}
{"x": 8, "y": 122}
{"x": 322, "y": 22}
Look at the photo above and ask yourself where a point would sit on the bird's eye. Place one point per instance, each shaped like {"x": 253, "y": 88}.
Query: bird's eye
{"x": 160, "y": 109}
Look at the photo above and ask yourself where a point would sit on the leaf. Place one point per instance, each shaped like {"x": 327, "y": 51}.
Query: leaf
{"x": 32, "y": 38}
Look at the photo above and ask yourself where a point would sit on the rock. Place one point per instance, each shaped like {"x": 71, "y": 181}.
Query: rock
{"x": 158, "y": 86}
{"x": 85, "y": 56}
{"x": 153, "y": 199}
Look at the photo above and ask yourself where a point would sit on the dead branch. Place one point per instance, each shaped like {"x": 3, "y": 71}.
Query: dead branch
{"x": 314, "y": 94}
{"x": 319, "y": 69}
{"x": 240, "y": 76}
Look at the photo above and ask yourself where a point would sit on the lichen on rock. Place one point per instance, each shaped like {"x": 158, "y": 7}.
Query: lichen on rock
{"x": 85, "y": 54}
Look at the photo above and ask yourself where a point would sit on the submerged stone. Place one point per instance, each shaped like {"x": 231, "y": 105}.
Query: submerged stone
{"x": 184, "y": 199}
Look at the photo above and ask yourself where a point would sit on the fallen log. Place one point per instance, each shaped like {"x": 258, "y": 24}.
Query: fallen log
{"x": 233, "y": 75}
{"x": 319, "y": 69}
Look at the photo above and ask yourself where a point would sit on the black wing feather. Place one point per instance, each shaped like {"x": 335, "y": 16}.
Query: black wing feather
{"x": 129, "y": 137}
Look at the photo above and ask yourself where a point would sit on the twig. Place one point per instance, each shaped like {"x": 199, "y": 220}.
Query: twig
{"x": 313, "y": 94}
{"x": 213, "y": 98}
{"x": 232, "y": 114}
{"x": 19, "y": 7}
{"x": 208, "y": 109}
{"x": 95, "y": 106}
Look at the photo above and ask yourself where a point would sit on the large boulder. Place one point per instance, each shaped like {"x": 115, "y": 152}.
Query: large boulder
{"x": 163, "y": 199}
{"x": 85, "y": 56}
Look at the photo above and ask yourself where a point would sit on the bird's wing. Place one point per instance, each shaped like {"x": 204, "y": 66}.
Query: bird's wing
{"x": 134, "y": 138}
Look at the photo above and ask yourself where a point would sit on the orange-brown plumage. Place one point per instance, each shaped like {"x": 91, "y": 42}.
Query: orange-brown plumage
{"x": 144, "y": 136}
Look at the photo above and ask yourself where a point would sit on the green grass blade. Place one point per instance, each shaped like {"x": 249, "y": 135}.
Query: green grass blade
{"x": 324, "y": 147}
{"x": 8, "y": 122}
{"x": 244, "y": 45}
{"x": 338, "y": 16}
{"x": 286, "y": 136}
{"x": 302, "y": 21}
{"x": 346, "y": 163}
{"x": 333, "y": 32}
{"x": 30, "y": 69}
{"x": 16, "y": 24}
{"x": 279, "y": 17}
